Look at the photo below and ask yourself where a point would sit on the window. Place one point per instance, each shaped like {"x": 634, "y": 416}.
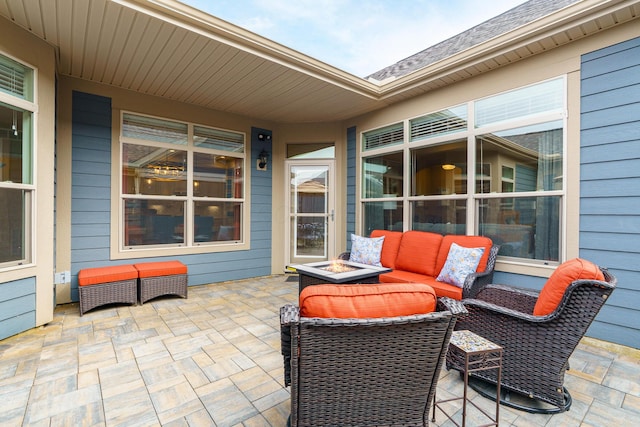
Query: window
{"x": 17, "y": 190}
{"x": 497, "y": 172}
{"x": 382, "y": 185}
{"x": 182, "y": 184}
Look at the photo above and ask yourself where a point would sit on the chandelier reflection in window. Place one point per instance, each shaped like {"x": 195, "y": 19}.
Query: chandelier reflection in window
{"x": 166, "y": 168}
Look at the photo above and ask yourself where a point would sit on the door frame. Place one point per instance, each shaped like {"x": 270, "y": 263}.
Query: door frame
{"x": 330, "y": 243}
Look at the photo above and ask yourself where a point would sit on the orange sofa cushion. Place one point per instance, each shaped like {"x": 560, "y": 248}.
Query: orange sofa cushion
{"x": 161, "y": 268}
{"x": 567, "y": 272}
{"x": 390, "y": 246}
{"x": 441, "y": 289}
{"x": 366, "y": 301}
{"x": 418, "y": 252}
{"x": 467, "y": 242}
{"x": 112, "y": 273}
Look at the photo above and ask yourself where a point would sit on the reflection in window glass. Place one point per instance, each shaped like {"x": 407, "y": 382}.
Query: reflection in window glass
{"x": 153, "y": 170}
{"x": 15, "y": 145}
{"x": 382, "y": 176}
{"x": 524, "y": 227}
{"x": 217, "y": 221}
{"x": 216, "y": 176}
{"x": 310, "y": 236}
{"x": 382, "y": 216}
{"x": 14, "y": 224}
{"x": 153, "y": 222}
{"x": 218, "y": 139}
{"x": 440, "y": 216}
{"x": 154, "y": 129}
{"x": 440, "y": 169}
{"x": 533, "y": 153}
{"x": 443, "y": 122}
{"x": 528, "y": 101}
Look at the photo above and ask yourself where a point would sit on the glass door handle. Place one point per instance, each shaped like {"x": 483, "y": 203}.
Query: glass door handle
{"x": 331, "y": 215}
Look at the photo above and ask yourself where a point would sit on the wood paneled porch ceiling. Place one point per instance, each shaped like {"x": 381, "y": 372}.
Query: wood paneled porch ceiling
{"x": 164, "y": 48}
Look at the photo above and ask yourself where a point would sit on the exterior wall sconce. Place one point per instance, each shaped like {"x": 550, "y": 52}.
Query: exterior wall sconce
{"x": 263, "y": 156}
{"x": 264, "y": 137}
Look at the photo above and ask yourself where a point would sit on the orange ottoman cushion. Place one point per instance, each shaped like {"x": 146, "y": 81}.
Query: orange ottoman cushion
{"x": 113, "y": 273}
{"x": 161, "y": 268}
{"x": 567, "y": 272}
{"x": 367, "y": 301}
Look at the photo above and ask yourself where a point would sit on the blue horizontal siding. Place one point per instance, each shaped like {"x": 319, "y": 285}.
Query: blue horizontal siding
{"x": 17, "y": 306}
{"x": 91, "y": 206}
{"x": 610, "y": 182}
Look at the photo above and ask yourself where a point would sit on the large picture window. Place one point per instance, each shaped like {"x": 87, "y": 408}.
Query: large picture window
{"x": 182, "y": 184}
{"x": 17, "y": 190}
{"x": 498, "y": 172}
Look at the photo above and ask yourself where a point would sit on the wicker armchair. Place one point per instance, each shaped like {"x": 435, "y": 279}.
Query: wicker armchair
{"x": 536, "y": 348}
{"x": 364, "y": 372}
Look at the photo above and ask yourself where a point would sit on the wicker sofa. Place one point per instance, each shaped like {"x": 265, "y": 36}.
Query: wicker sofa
{"x": 419, "y": 256}
{"x": 538, "y": 332}
{"x": 365, "y": 370}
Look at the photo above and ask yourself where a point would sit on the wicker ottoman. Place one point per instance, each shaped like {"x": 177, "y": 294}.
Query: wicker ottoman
{"x": 107, "y": 285}
{"x": 161, "y": 278}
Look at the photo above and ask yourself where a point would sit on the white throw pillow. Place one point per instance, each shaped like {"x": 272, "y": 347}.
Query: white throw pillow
{"x": 366, "y": 250}
{"x": 460, "y": 263}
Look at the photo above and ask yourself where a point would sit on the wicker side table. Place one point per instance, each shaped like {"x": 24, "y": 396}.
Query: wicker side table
{"x": 475, "y": 353}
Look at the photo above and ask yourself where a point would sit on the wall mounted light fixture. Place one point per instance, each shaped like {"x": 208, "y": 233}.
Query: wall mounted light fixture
{"x": 264, "y": 137}
{"x": 263, "y": 156}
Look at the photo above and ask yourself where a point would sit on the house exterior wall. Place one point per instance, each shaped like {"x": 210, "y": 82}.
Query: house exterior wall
{"x": 610, "y": 181}
{"x": 614, "y": 323}
{"x": 27, "y": 291}
{"x": 88, "y": 224}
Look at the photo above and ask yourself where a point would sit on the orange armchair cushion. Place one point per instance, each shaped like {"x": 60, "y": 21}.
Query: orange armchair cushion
{"x": 366, "y": 301}
{"x": 390, "y": 246}
{"x": 553, "y": 291}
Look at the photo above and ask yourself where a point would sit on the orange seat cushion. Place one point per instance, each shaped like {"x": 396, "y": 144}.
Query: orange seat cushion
{"x": 112, "y": 273}
{"x": 161, "y": 268}
{"x": 567, "y": 272}
{"x": 418, "y": 252}
{"x": 390, "y": 246}
{"x": 366, "y": 301}
{"x": 441, "y": 289}
{"x": 467, "y": 242}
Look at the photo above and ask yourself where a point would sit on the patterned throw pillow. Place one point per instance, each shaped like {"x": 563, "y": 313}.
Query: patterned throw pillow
{"x": 460, "y": 263}
{"x": 366, "y": 250}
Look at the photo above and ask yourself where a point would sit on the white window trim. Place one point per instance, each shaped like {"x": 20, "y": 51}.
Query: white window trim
{"x": 470, "y": 134}
{"x": 117, "y": 248}
{"x": 30, "y": 259}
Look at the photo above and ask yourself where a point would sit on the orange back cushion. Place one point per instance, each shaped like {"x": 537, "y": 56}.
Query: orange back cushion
{"x": 553, "y": 291}
{"x": 418, "y": 252}
{"x": 467, "y": 242}
{"x": 367, "y": 301}
{"x": 389, "y": 247}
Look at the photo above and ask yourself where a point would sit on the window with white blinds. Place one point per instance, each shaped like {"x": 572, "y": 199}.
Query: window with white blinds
{"x": 546, "y": 97}
{"x": 384, "y": 137}
{"x": 442, "y": 122}
{"x": 16, "y": 79}
{"x": 17, "y": 186}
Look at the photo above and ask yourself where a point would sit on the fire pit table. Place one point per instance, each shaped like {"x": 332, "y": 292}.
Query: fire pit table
{"x": 337, "y": 271}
